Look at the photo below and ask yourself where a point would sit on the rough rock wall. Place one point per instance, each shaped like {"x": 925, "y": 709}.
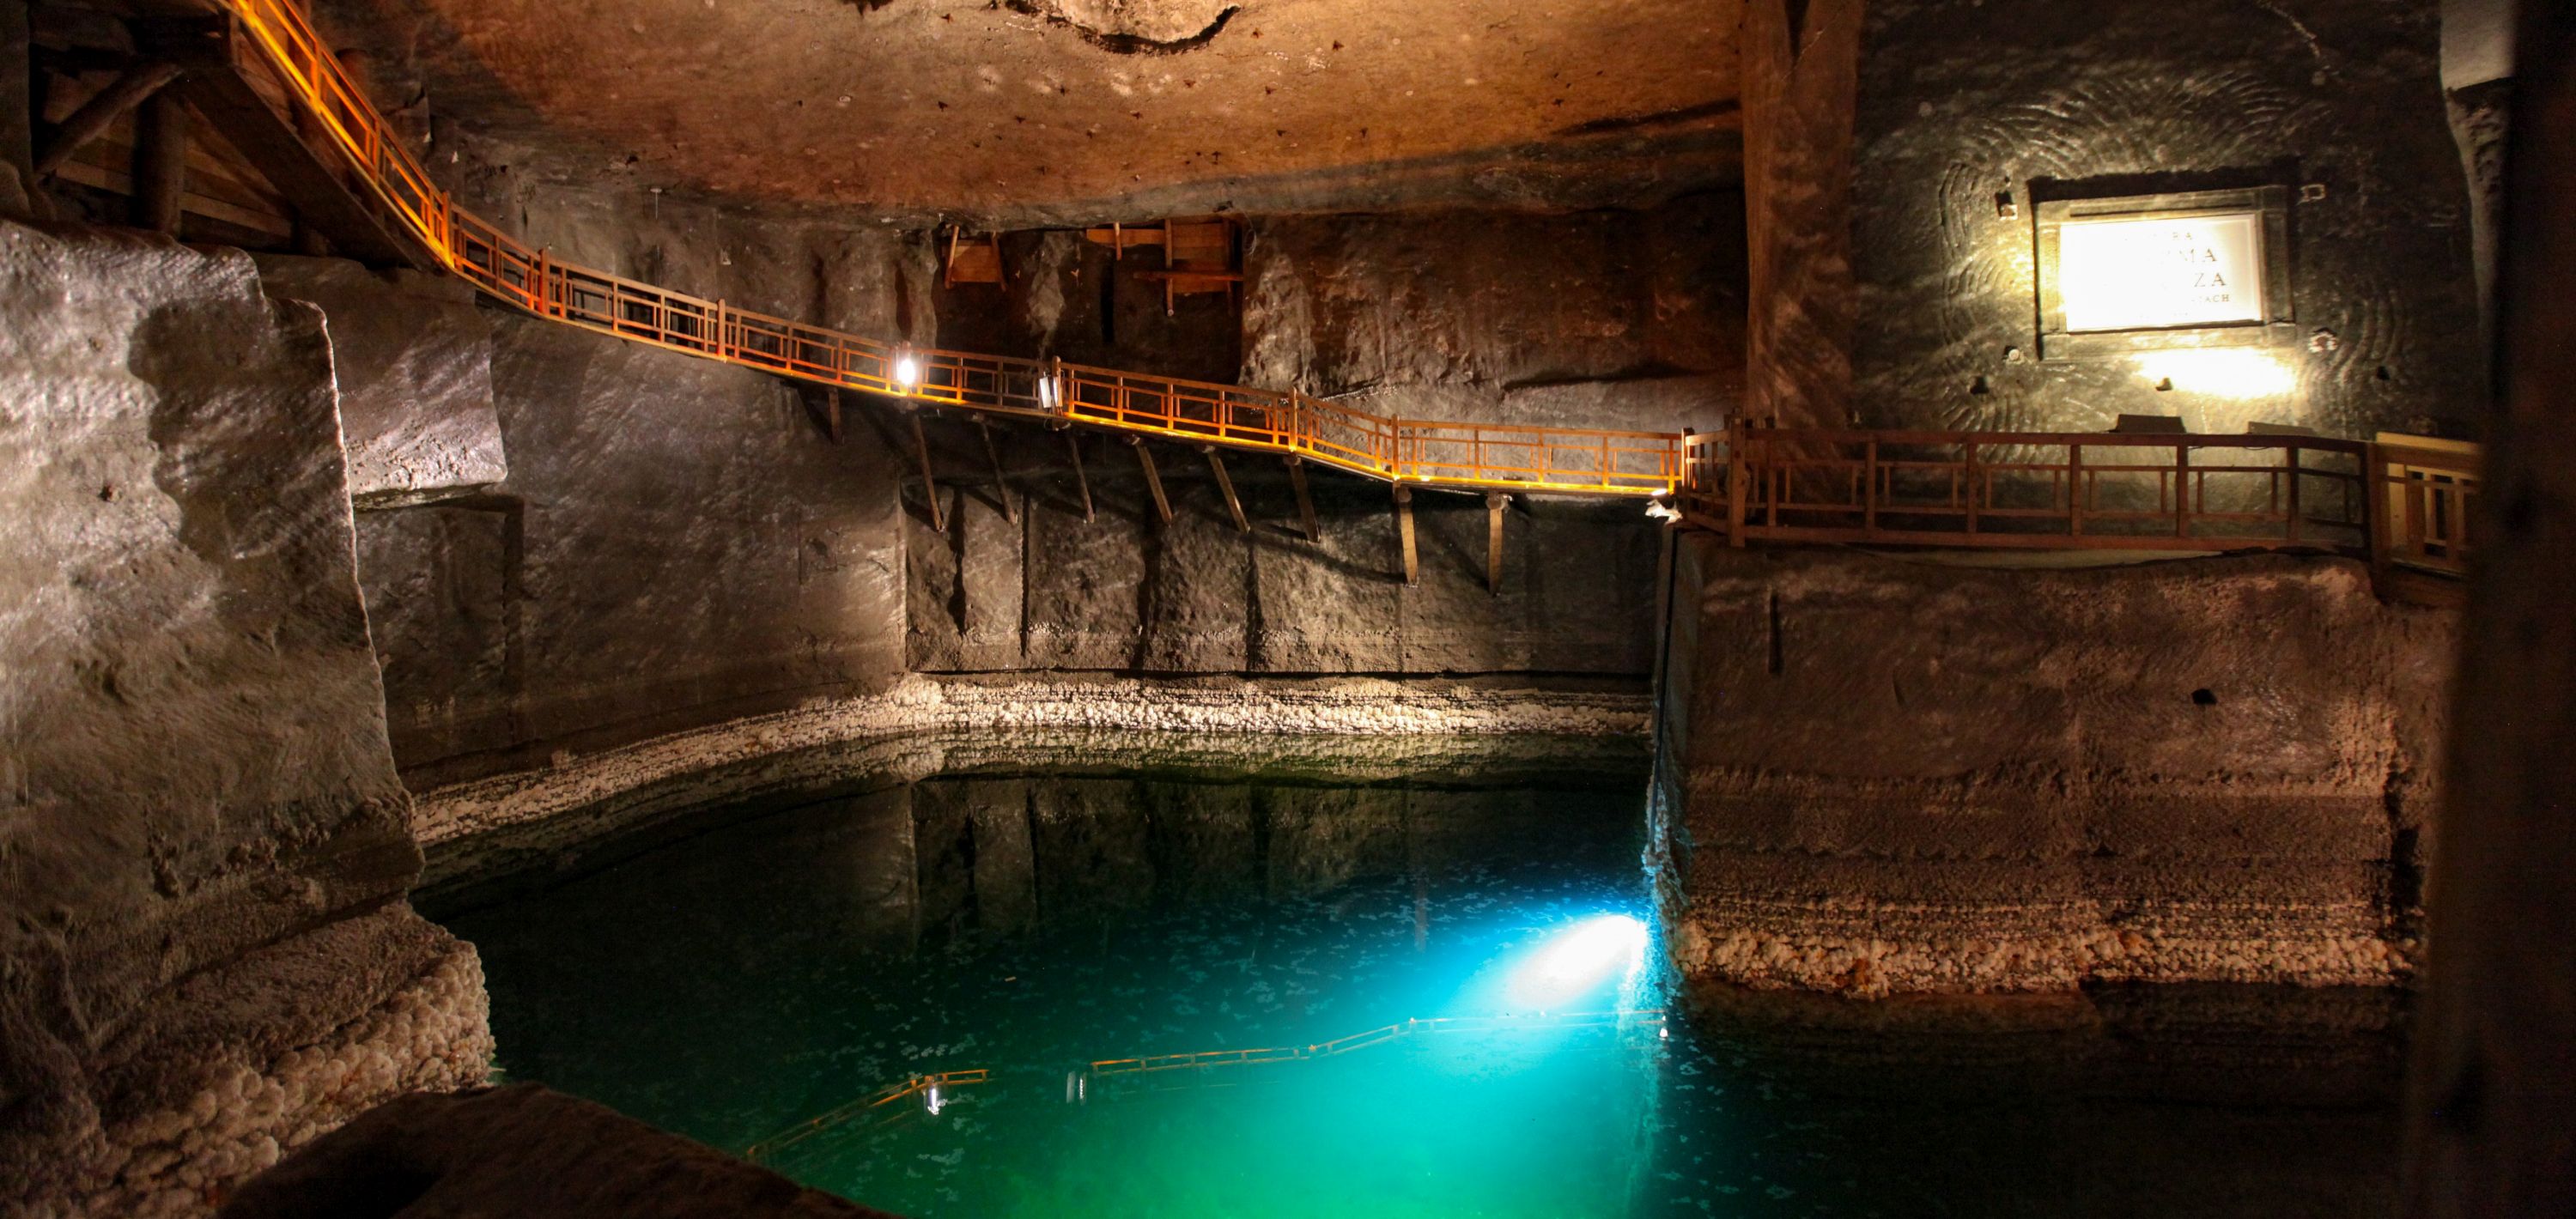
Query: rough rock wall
{"x": 1125, "y": 592}
{"x": 676, "y": 543}
{"x": 1965, "y": 103}
{"x": 1901, "y": 776}
{"x": 1621, "y": 319}
{"x": 413, "y": 357}
{"x": 1800, "y": 66}
{"x": 203, "y": 845}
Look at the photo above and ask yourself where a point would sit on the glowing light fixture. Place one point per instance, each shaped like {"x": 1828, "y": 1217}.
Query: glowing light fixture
{"x": 2152, "y": 273}
{"x": 907, "y": 371}
{"x": 1578, "y": 960}
{"x": 2220, "y": 372}
{"x": 931, "y": 1101}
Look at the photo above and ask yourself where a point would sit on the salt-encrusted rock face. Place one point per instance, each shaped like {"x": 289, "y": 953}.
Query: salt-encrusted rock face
{"x": 1900, "y": 776}
{"x": 194, "y": 779}
{"x": 414, "y": 360}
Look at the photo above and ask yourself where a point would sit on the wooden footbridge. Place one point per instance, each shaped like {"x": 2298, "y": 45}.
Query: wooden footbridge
{"x": 284, "y": 99}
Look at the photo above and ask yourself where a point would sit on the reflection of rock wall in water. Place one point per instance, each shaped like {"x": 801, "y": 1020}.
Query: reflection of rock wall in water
{"x": 994, "y": 834}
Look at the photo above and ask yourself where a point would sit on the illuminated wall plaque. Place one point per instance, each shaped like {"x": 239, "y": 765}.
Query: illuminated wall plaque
{"x": 2204, "y": 269}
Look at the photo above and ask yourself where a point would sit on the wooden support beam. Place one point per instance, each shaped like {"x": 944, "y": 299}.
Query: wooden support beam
{"x": 1225, "y": 485}
{"x": 929, "y": 485}
{"x": 1081, "y": 480}
{"x": 160, "y": 162}
{"x": 309, "y": 178}
{"x": 1495, "y": 503}
{"x": 1153, "y": 480}
{"x": 1305, "y": 502}
{"x": 1404, "y": 529}
{"x": 94, "y": 116}
{"x": 832, "y": 414}
{"x": 1001, "y": 482}
{"x": 17, "y": 131}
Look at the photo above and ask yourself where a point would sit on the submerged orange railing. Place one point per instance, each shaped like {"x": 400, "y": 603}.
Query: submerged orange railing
{"x": 336, "y": 112}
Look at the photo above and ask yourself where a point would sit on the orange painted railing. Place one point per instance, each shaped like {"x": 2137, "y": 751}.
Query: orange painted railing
{"x": 333, "y": 111}
{"x": 2388, "y": 501}
{"x": 874, "y": 1102}
{"x": 2397, "y": 501}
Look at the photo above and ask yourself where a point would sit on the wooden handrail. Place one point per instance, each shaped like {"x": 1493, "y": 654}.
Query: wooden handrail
{"x": 533, "y": 280}
{"x": 2401, "y": 501}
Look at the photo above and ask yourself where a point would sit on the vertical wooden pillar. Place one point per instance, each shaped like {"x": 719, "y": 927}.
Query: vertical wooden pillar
{"x": 929, "y": 485}
{"x": 832, "y": 414}
{"x": 1495, "y": 503}
{"x": 2495, "y": 1029}
{"x": 160, "y": 162}
{"x": 17, "y": 94}
{"x": 1225, "y": 487}
{"x": 1305, "y": 502}
{"x": 1404, "y": 532}
{"x": 1153, "y": 480}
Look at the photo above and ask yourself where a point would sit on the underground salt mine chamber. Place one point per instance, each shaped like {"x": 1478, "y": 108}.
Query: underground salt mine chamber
{"x": 1240, "y": 608}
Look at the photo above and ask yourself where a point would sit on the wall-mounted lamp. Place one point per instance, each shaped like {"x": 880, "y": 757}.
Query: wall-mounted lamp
{"x": 1050, "y": 385}
{"x": 907, "y": 370}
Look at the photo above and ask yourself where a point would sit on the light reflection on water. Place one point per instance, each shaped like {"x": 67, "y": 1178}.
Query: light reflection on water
{"x": 791, "y": 962}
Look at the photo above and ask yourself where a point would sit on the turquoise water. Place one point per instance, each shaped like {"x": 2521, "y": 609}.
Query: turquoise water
{"x": 1492, "y": 951}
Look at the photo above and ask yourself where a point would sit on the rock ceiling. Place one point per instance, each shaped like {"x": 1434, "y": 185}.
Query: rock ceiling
{"x": 1087, "y": 109}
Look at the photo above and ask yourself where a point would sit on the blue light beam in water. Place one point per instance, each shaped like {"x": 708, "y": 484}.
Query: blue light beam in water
{"x": 1579, "y": 962}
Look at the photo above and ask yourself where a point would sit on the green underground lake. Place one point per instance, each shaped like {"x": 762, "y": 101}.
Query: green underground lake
{"x": 1097, "y": 980}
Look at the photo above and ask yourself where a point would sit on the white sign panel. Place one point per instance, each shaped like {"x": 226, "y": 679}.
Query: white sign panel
{"x": 2116, "y": 274}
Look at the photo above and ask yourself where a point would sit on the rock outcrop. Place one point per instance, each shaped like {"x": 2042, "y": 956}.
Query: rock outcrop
{"x": 204, "y": 951}
{"x": 1889, "y": 775}
{"x": 413, "y": 356}
{"x": 521, "y": 1150}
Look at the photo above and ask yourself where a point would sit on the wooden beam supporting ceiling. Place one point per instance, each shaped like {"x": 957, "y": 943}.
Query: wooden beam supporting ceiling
{"x": 1153, "y": 480}
{"x": 1404, "y": 530}
{"x": 1001, "y": 481}
{"x": 1081, "y": 480}
{"x": 1495, "y": 503}
{"x": 1225, "y": 486}
{"x": 160, "y": 162}
{"x": 342, "y": 210}
{"x": 929, "y": 485}
{"x": 139, "y": 83}
{"x": 1305, "y": 502}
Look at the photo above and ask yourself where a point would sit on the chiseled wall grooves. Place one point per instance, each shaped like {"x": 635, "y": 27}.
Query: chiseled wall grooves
{"x": 1962, "y": 779}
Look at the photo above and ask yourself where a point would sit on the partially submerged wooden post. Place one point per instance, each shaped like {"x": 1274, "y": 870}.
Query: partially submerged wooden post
{"x": 1404, "y": 530}
{"x": 1495, "y": 502}
{"x": 1153, "y": 480}
{"x": 1225, "y": 487}
{"x": 1305, "y": 502}
{"x": 929, "y": 486}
